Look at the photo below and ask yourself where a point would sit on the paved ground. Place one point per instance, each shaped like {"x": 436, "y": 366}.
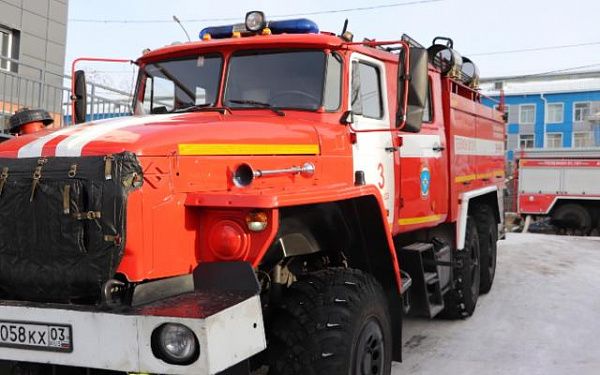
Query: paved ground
{"x": 542, "y": 316}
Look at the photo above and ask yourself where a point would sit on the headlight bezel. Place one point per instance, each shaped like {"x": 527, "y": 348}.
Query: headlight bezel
{"x": 258, "y": 26}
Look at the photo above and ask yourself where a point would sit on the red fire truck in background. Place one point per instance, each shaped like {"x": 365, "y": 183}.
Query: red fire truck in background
{"x": 280, "y": 199}
{"x": 563, "y": 185}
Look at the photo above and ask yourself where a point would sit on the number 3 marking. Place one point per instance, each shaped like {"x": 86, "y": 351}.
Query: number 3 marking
{"x": 381, "y": 183}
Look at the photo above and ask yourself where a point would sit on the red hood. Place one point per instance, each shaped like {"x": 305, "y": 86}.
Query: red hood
{"x": 158, "y": 135}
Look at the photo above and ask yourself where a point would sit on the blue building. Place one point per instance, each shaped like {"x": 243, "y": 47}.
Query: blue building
{"x": 550, "y": 111}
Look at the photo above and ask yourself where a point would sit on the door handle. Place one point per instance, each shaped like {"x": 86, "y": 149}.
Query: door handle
{"x": 438, "y": 148}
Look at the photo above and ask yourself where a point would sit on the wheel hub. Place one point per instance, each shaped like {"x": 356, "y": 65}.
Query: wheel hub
{"x": 370, "y": 351}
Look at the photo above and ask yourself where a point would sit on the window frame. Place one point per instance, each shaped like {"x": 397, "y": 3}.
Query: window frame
{"x": 339, "y": 58}
{"x": 9, "y": 32}
{"x": 589, "y": 105}
{"x": 521, "y": 106}
{"x": 562, "y": 113}
{"x": 562, "y": 139}
{"x": 377, "y": 68}
{"x": 430, "y": 99}
{"x": 532, "y": 140}
{"x": 586, "y": 133}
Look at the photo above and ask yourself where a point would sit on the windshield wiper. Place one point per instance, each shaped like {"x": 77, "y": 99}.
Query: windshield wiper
{"x": 258, "y": 104}
{"x": 202, "y": 107}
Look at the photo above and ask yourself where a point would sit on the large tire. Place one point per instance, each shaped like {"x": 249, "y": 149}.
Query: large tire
{"x": 487, "y": 231}
{"x": 572, "y": 216}
{"x": 461, "y": 300}
{"x": 333, "y": 322}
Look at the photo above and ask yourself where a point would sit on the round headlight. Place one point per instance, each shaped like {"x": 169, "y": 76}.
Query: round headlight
{"x": 175, "y": 344}
{"x": 255, "y": 21}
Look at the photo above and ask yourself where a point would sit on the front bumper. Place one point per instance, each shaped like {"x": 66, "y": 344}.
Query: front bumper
{"x": 228, "y": 325}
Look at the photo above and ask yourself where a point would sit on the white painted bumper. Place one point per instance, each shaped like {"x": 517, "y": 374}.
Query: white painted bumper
{"x": 121, "y": 341}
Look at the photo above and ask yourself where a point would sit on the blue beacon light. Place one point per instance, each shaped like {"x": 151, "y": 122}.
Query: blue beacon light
{"x": 294, "y": 26}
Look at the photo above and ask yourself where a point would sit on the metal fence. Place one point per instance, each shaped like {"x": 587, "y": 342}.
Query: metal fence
{"x": 25, "y": 85}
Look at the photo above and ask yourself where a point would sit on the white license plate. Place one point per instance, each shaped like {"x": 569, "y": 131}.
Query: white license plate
{"x": 39, "y": 336}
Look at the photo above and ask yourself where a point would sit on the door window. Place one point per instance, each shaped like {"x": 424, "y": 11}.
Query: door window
{"x": 366, "y": 90}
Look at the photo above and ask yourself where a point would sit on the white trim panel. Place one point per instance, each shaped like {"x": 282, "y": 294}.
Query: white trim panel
{"x": 420, "y": 146}
{"x": 477, "y": 146}
{"x": 461, "y": 223}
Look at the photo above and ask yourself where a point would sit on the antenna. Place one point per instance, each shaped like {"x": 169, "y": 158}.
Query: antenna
{"x": 346, "y": 35}
{"x": 183, "y": 28}
{"x": 345, "y": 28}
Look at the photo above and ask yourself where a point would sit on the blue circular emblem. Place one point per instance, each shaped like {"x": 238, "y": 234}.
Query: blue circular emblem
{"x": 425, "y": 181}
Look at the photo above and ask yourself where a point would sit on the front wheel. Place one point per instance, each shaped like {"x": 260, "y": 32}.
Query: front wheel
{"x": 333, "y": 322}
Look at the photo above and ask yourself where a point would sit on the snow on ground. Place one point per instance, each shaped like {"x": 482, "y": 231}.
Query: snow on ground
{"x": 542, "y": 316}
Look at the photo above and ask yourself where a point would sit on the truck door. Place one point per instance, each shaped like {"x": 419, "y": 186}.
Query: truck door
{"x": 423, "y": 168}
{"x": 373, "y": 151}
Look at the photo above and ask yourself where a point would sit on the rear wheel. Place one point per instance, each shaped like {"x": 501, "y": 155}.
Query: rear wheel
{"x": 572, "y": 216}
{"x": 333, "y": 322}
{"x": 461, "y": 300}
{"x": 487, "y": 231}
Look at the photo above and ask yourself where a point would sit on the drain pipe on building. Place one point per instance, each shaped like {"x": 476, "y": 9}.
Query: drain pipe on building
{"x": 544, "y": 118}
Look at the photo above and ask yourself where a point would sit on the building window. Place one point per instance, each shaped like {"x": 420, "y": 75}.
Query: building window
{"x": 554, "y": 113}
{"x": 554, "y": 140}
{"x": 527, "y": 114}
{"x": 581, "y": 111}
{"x": 583, "y": 139}
{"x": 5, "y": 48}
{"x": 526, "y": 141}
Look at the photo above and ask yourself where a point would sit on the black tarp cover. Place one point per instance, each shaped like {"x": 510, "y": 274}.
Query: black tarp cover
{"x": 66, "y": 239}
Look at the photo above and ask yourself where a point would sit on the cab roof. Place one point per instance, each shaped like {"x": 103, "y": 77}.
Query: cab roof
{"x": 323, "y": 40}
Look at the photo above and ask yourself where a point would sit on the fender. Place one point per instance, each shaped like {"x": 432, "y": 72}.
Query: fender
{"x": 464, "y": 200}
{"x": 283, "y": 198}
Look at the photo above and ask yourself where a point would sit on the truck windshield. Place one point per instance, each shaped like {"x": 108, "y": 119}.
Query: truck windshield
{"x": 178, "y": 84}
{"x": 289, "y": 79}
{"x": 274, "y": 80}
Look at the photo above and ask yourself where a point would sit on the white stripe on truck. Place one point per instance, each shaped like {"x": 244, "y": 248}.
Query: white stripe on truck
{"x": 81, "y": 135}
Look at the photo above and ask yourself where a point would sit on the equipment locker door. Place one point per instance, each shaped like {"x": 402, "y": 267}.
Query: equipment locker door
{"x": 373, "y": 151}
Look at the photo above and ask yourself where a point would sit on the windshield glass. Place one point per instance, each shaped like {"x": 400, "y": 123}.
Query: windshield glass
{"x": 290, "y": 79}
{"x": 177, "y": 84}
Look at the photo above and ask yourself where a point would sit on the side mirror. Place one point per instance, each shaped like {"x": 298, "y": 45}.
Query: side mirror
{"x": 79, "y": 97}
{"x": 412, "y": 90}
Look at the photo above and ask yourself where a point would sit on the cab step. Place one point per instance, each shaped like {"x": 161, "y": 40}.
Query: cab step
{"x": 421, "y": 261}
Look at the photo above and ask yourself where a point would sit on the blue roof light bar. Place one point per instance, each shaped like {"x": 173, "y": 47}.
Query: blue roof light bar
{"x": 294, "y": 26}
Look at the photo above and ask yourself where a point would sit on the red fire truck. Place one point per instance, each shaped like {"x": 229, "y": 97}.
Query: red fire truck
{"x": 281, "y": 197}
{"x": 561, "y": 184}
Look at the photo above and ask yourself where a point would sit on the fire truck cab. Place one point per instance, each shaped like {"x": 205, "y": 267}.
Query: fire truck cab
{"x": 279, "y": 200}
